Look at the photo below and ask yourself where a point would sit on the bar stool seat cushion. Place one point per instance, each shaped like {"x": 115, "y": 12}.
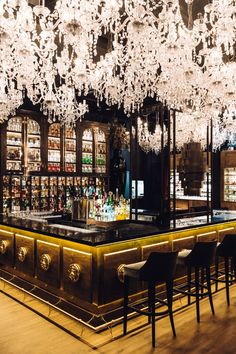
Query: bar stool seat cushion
{"x": 133, "y": 270}
{"x": 182, "y": 256}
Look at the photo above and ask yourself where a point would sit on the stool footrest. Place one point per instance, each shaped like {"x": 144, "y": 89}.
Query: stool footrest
{"x": 185, "y": 292}
{"x": 147, "y": 313}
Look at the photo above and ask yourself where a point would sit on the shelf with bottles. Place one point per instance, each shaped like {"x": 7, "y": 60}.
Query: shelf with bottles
{"x": 70, "y": 167}
{"x": 35, "y": 193}
{"x": 6, "y": 185}
{"x": 70, "y": 161}
{"x": 230, "y": 184}
{"x": 14, "y": 138}
{"x": 61, "y": 193}
{"x": 33, "y": 155}
{"x": 77, "y": 187}
{"x": 33, "y": 142}
{"x": 100, "y": 151}
{"x": 70, "y": 187}
{"x": 14, "y": 153}
{"x": 87, "y": 162}
{"x": 23, "y": 144}
{"x": 15, "y": 124}
{"x": 70, "y": 139}
{"x": 15, "y": 193}
{"x": 35, "y": 183}
{"x": 87, "y": 151}
{"x": 53, "y": 193}
{"x": 44, "y": 187}
{"x": 14, "y": 146}
{"x": 54, "y": 156}
{"x": 34, "y": 166}
{"x": 25, "y": 193}
{"x": 54, "y": 143}
{"x": 13, "y": 166}
{"x": 54, "y": 148}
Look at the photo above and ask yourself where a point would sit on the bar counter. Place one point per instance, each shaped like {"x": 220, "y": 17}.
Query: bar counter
{"x": 84, "y": 266}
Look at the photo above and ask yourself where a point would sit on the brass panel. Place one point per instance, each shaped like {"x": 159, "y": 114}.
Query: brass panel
{"x": 164, "y": 246}
{"x": 24, "y": 254}
{"x": 6, "y": 248}
{"x": 185, "y": 242}
{"x": 48, "y": 263}
{"x": 77, "y": 273}
{"x": 208, "y": 236}
{"x": 223, "y": 232}
{"x": 112, "y": 287}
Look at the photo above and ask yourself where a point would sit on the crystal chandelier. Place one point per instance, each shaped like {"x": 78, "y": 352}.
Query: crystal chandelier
{"x": 53, "y": 56}
{"x": 148, "y": 141}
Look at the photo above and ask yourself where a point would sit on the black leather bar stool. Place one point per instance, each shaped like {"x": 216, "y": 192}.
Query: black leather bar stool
{"x": 159, "y": 268}
{"x": 226, "y": 250}
{"x": 200, "y": 259}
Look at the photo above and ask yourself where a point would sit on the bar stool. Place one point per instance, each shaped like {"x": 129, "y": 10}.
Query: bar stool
{"x": 200, "y": 259}
{"x": 159, "y": 268}
{"x": 226, "y": 250}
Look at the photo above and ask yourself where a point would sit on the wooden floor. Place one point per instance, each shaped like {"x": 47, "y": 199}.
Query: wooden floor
{"x": 24, "y": 332}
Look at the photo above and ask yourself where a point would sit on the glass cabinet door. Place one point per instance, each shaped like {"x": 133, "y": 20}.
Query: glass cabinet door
{"x": 14, "y": 144}
{"x": 87, "y": 151}
{"x": 33, "y": 145}
{"x": 54, "y": 147}
{"x": 70, "y": 150}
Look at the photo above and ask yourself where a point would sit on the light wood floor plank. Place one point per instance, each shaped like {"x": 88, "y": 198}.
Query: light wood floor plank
{"x": 24, "y": 332}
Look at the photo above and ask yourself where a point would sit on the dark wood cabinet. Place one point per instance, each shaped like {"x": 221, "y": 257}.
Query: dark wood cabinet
{"x": 46, "y": 166}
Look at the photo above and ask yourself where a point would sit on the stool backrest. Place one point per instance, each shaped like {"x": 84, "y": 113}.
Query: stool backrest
{"x": 202, "y": 254}
{"x": 160, "y": 266}
{"x": 227, "y": 248}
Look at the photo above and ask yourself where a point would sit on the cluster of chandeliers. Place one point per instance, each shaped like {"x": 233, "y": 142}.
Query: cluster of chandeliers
{"x": 53, "y": 56}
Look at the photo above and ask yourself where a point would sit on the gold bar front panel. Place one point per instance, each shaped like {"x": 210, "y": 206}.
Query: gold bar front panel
{"x": 24, "y": 254}
{"x": 48, "y": 263}
{"x": 77, "y": 273}
{"x": 112, "y": 286}
{"x": 6, "y": 248}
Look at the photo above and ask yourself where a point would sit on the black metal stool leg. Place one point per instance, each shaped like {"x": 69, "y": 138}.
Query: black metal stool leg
{"x": 202, "y": 280}
{"x": 216, "y": 272}
{"x": 227, "y": 279}
{"x": 197, "y": 293}
{"x": 126, "y": 299}
{"x": 169, "y": 290}
{"x": 208, "y": 279}
{"x": 149, "y": 304}
{"x": 231, "y": 271}
{"x": 189, "y": 283}
{"x": 151, "y": 285}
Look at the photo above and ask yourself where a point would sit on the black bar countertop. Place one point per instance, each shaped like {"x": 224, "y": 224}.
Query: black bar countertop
{"x": 95, "y": 236}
